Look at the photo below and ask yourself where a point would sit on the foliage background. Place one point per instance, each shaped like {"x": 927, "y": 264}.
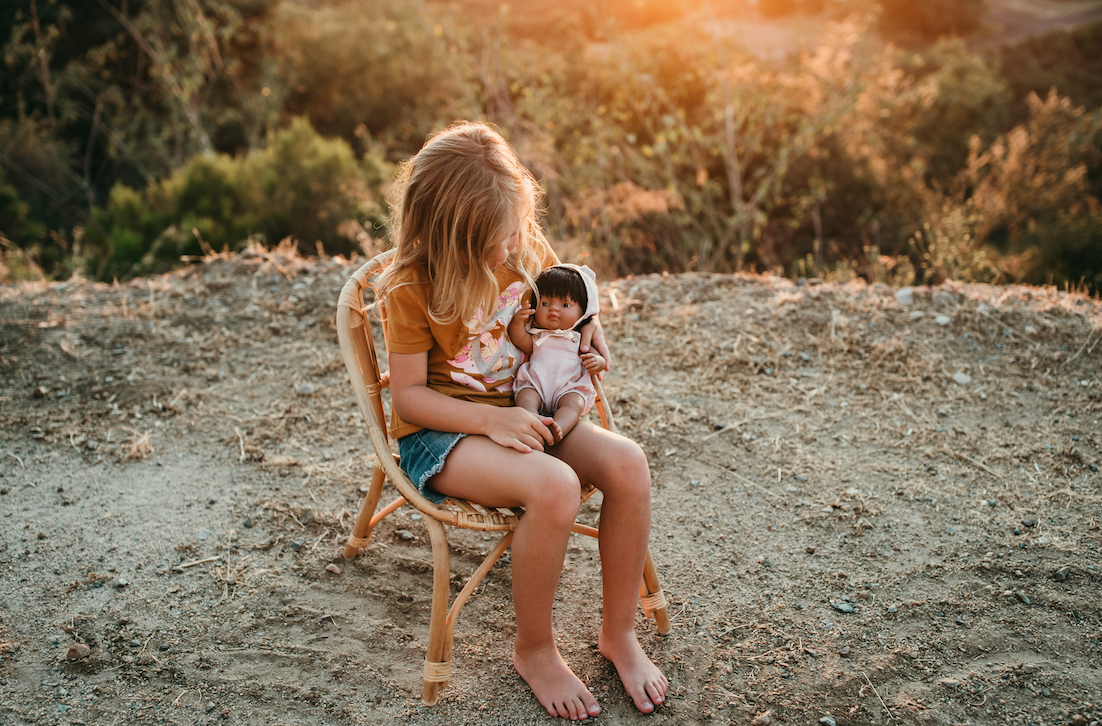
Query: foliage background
{"x": 912, "y": 142}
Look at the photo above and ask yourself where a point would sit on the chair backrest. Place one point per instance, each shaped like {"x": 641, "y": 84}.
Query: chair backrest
{"x": 354, "y": 331}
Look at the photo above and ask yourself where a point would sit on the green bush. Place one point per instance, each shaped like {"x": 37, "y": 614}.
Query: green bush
{"x": 15, "y": 222}
{"x": 301, "y": 186}
{"x": 1066, "y": 251}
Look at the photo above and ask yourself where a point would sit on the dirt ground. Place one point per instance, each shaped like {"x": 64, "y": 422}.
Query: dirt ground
{"x": 868, "y": 510}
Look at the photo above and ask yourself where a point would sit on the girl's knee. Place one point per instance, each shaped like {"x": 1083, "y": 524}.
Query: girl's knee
{"x": 557, "y": 492}
{"x": 629, "y": 468}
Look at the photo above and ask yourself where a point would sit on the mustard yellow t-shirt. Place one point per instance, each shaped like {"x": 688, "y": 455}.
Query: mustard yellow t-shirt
{"x": 472, "y": 360}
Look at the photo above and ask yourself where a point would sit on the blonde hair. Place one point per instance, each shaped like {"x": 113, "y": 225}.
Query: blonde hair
{"x": 462, "y": 193}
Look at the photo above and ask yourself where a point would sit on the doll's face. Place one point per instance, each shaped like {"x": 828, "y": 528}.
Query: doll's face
{"x": 557, "y": 313}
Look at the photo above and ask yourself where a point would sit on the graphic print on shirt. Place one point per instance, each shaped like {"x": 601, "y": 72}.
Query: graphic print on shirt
{"x": 488, "y": 356}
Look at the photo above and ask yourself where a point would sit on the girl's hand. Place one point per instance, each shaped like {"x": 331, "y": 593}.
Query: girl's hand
{"x": 592, "y": 332}
{"x": 593, "y": 363}
{"x": 520, "y": 429}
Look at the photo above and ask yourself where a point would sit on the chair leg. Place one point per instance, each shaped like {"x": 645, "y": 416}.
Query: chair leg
{"x": 362, "y": 531}
{"x": 654, "y": 600}
{"x": 437, "y": 665}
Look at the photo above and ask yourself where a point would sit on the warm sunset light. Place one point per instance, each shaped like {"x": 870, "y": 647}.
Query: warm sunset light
{"x": 889, "y": 139}
{"x": 540, "y": 362}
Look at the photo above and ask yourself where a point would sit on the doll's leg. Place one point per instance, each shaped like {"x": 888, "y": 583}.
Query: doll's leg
{"x": 567, "y": 414}
{"x": 480, "y": 470}
{"x": 618, "y": 467}
{"x": 529, "y": 399}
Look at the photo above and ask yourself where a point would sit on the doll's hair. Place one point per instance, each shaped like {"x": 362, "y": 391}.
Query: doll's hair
{"x": 561, "y": 282}
{"x": 462, "y": 193}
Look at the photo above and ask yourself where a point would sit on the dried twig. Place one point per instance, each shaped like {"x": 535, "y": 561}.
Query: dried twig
{"x": 184, "y": 565}
{"x": 890, "y": 714}
{"x": 973, "y": 462}
{"x": 1081, "y": 349}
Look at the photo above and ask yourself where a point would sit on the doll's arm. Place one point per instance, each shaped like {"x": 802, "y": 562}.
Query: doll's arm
{"x": 592, "y": 332}
{"x": 518, "y": 332}
{"x": 593, "y": 362}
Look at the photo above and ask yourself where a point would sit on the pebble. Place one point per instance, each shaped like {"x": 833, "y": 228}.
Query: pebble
{"x": 248, "y": 523}
{"x": 943, "y": 297}
{"x": 406, "y": 535}
{"x": 305, "y": 389}
{"x": 78, "y": 651}
{"x": 1062, "y": 573}
{"x": 828, "y": 721}
{"x": 804, "y": 357}
{"x": 844, "y": 607}
{"x": 949, "y": 682}
{"x": 905, "y": 296}
{"x": 333, "y": 568}
{"x": 1078, "y": 720}
{"x": 962, "y": 378}
{"x": 763, "y": 720}
{"x": 121, "y": 583}
{"x": 297, "y": 545}
{"x": 893, "y": 609}
{"x": 810, "y": 549}
{"x": 942, "y": 320}
{"x": 1027, "y": 522}
{"x": 1022, "y": 597}
{"x": 844, "y": 652}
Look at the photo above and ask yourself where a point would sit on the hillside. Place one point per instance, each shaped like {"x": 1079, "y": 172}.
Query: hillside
{"x": 929, "y": 465}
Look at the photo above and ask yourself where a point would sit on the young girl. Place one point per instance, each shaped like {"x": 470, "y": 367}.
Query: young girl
{"x": 555, "y": 380}
{"x": 468, "y": 242}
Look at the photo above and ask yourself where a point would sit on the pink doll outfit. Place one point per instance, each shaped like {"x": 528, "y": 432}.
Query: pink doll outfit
{"x": 555, "y": 368}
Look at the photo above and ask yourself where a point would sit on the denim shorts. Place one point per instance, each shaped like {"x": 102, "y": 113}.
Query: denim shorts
{"x": 422, "y": 456}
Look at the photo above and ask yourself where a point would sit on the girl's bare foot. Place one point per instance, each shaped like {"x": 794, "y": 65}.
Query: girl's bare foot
{"x": 641, "y": 678}
{"x": 555, "y": 685}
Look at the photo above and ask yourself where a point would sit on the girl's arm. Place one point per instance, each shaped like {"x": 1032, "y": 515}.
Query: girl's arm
{"x": 518, "y": 332}
{"x": 418, "y": 404}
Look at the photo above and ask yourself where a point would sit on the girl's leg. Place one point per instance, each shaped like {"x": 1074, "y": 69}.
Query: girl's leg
{"x": 618, "y": 467}
{"x": 480, "y": 470}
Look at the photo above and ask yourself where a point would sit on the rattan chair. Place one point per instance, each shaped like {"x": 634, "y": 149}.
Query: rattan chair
{"x": 354, "y": 329}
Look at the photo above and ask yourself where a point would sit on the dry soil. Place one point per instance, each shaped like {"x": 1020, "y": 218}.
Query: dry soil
{"x": 867, "y": 508}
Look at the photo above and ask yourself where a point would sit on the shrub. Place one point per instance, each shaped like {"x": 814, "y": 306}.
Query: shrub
{"x": 301, "y": 186}
{"x": 1066, "y": 251}
{"x": 376, "y": 63}
{"x": 1068, "y": 60}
